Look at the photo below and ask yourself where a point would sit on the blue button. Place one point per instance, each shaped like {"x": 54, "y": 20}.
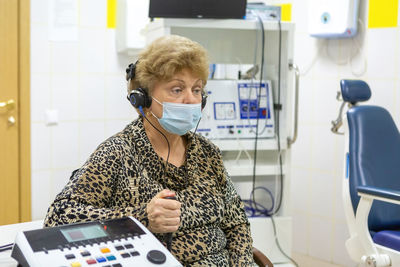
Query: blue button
{"x": 101, "y": 259}
{"x": 111, "y": 257}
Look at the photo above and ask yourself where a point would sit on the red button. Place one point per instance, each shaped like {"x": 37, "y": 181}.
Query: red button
{"x": 91, "y": 261}
{"x": 264, "y": 112}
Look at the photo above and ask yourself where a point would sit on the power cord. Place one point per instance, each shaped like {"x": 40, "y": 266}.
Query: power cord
{"x": 6, "y": 247}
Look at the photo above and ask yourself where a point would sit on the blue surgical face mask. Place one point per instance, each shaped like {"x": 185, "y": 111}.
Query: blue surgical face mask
{"x": 179, "y": 118}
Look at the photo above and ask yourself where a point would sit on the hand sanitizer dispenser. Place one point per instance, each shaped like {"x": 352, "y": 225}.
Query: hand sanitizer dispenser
{"x": 333, "y": 18}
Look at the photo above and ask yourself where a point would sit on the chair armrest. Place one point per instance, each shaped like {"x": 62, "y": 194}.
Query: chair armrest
{"x": 382, "y": 194}
{"x": 260, "y": 259}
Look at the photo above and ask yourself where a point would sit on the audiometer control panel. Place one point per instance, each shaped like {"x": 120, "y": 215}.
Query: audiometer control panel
{"x": 109, "y": 243}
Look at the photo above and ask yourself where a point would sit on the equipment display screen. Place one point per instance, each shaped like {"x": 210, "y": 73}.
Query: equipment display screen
{"x": 83, "y": 232}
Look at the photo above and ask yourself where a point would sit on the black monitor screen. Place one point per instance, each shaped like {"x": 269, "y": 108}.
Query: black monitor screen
{"x": 197, "y": 9}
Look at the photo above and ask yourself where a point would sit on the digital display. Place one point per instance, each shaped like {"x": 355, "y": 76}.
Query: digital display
{"x": 83, "y": 232}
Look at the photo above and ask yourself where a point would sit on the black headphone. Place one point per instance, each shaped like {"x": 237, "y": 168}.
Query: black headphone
{"x": 140, "y": 98}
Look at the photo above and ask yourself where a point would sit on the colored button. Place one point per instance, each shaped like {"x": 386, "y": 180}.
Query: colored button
{"x": 91, "y": 261}
{"x": 125, "y": 255}
{"x": 85, "y": 253}
{"x": 70, "y": 256}
{"x": 128, "y": 246}
{"x": 111, "y": 257}
{"x": 119, "y": 247}
{"x": 105, "y": 250}
{"x": 100, "y": 259}
{"x": 76, "y": 264}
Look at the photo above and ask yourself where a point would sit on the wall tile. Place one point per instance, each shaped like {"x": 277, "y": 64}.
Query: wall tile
{"x": 92, "y": 97}
{"x": 301, "y": 150}
{"x": 116, "y": 63}
{"x": 116, "y": 104}
{"x": 115, "y": 126}
{"x": 323, "y": 149}
{"x": 65, "y": 96}
{"x": 325, "y": 105}
{"x": 321, "y": 199}
{"x": 320, "y": 238}
{"x": 300, "y": 190}
{"x": 301, "y": 232}
{"x": 65, "y": 145}
{"x": 39, "y": 11}
{"x": 40, "y": 96}
{"x": 91, "y": 50}
{"x": 40, "y": 147}
{"x": 41, "y": 193}
{"x": 382, "y": 64}
{"x": 306, "y": 97}
{"x": 93, "y": 13}
{"x": 64, "y": 57}
{"x": 40, "y": 49}
{"x": 60, "y": 179}
{"x": 91, "y": 135}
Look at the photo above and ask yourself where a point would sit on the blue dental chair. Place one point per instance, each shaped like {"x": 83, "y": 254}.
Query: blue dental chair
{"x": 371, "y": 184}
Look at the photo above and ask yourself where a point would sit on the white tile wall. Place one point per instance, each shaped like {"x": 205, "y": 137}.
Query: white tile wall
{"x": 41, "y": 193}
{"x": 92, "y": 96}
{"x": 64, "y": 145}
{"x": 91, "y": 135}
{"x": 92, "y": 50}
{"x": 84, "y": 81}
{"x": 320, "y": 239}
{"x": 65, "y": 96}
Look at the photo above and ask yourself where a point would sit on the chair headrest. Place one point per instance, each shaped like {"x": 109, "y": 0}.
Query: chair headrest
{"x": 354, "y": 91}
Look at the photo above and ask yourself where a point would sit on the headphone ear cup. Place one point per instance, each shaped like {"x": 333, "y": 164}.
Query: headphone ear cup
{"x": 139, "y": 98}
{"x": 203, "y": 101}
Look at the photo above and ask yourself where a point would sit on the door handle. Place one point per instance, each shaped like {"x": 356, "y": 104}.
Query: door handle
{"x": 7, "y": 105}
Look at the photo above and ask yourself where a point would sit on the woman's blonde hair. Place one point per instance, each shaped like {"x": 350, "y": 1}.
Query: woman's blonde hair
{"x": 165, "y": 57}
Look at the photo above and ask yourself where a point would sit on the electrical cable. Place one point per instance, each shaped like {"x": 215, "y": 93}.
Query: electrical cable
{"x": 168, "y": 236}
{"x": 258, "y": 104}
{"x": 6, "y": 247}
{"x": 277, "y": 120}
{"x": 169, "y": 149}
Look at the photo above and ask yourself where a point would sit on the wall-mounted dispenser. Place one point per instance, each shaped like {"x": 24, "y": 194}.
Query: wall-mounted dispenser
{"x": 132, "y": 18}
{"x": 333, "y": 18}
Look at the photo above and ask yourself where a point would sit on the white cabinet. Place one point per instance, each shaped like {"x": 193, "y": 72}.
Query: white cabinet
{"x": 229, "y": 42}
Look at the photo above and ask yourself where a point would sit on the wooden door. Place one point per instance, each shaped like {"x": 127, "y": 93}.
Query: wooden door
{"x": 14, "y": 112}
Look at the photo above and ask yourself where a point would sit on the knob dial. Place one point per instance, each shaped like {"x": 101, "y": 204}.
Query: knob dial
{"x": 156, "y": 257}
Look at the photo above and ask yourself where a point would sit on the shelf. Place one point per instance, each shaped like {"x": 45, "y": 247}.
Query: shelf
{"x": 236, "y": 170}
{"x": 236, "y": 145}
{"x": 230, "y": 24}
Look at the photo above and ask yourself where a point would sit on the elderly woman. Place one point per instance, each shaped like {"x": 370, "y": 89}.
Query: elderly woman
{"x": 156, "y": 170}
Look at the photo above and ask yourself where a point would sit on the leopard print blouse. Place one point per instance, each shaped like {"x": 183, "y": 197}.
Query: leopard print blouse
{"x": 125, "y": 173}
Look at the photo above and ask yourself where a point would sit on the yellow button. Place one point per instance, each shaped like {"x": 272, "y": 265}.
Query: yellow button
{"x": 76, "y": 264}
{"x": 105, "y": 250}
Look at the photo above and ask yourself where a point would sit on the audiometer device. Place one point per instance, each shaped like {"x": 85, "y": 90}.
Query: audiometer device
{"x": 108, "y": 243}
{"x": 235, "y": 108}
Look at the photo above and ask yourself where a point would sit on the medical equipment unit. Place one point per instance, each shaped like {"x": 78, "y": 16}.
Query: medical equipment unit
{"x": 333, "y": 18}
{"x": 233, "y": 107}
{"x": 116, "y": 242}
{"x": 371, "y": 184}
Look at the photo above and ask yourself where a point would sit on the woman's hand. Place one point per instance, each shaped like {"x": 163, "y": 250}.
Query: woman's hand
{"x": 164, "y": 214}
